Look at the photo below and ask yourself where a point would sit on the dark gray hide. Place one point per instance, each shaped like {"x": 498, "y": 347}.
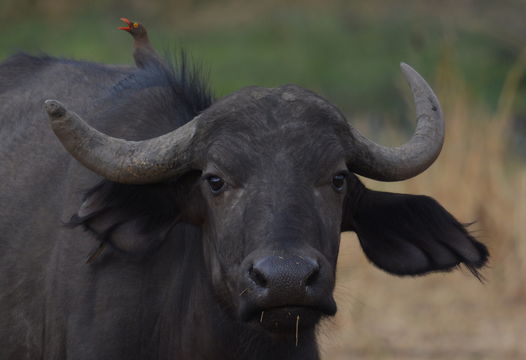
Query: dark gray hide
{"x": 188, "y": 270}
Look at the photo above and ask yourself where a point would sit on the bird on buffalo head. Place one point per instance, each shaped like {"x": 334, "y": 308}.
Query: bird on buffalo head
{"x": 144, "y": 54}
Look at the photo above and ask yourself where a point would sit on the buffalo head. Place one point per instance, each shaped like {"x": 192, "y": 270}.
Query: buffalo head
{"x": 275, "y": 186}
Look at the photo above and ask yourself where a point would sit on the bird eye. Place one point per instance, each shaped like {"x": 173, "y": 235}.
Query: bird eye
{"x": 338, "y": 181}
{"x": 216, "y": 183}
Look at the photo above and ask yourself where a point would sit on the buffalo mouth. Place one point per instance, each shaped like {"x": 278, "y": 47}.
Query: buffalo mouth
{"x": 287, "y": 319}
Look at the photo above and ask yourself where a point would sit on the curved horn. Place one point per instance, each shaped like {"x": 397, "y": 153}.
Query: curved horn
{"x": 129, "y": 162}
{"x": 402, "y": 162}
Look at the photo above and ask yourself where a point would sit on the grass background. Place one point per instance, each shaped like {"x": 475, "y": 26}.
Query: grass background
{"x": 474, "y": 55}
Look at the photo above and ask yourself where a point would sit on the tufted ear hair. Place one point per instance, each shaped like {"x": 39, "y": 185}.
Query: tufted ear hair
{"x": 134, "y": 219}
{"x": 409, "y": 234}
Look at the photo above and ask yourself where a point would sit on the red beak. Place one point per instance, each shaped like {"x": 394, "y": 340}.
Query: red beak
{"x": 126, "y": 28}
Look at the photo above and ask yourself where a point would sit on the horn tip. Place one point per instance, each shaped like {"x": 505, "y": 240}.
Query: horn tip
{"x": 54, "y": 108}
{"x": 413, "y": 77}
{"x": 407, "y": 69}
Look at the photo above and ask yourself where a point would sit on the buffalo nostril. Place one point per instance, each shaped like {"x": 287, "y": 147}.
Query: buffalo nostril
{"x": 311, "y": 278}
{"x": 285, "y": 273}
{"x": 257, "y": 277}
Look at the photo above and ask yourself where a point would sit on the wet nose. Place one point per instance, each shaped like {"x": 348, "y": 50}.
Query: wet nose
{"x": 272, "y": 281}
{"x": 284, "y": 275}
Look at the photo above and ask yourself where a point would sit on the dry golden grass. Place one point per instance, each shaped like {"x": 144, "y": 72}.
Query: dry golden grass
{"x": 452, "y": 315}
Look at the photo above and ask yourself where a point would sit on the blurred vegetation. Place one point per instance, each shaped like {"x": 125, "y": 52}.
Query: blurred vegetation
{"x": 346, "y": 50}
{"x": 474, "y": 55}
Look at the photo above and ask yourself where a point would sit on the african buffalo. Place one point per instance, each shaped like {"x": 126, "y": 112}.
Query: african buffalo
{"x": 211, "y": 229}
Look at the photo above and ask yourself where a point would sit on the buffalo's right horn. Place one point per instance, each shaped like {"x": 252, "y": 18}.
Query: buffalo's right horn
{"x": 129, "y": 162}
{"x": 399, "y": 163}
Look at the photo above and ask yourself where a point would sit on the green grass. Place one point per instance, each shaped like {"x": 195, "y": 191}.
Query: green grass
{"x": 351, "y": 60}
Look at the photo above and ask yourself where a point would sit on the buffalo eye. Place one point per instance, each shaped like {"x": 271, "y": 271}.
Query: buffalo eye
{"x": 338, "y": 181}
{"x": 216, "y": 183}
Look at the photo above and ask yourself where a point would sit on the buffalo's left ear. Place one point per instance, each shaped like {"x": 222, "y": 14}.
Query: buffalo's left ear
{"x": 409, "y": 234}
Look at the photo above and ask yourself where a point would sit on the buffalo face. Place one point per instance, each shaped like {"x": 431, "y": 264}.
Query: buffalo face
{"x": 273, "y": 197}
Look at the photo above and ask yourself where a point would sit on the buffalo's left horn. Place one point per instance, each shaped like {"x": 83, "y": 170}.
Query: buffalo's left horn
{"x": 129, "y": 162}
{"x": 399, "y": 163}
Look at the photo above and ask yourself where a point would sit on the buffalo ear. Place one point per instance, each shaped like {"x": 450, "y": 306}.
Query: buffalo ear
{"x": 135, "y": 219}
{"x": 119, "y": 217}
{"x": 409, "y": 234}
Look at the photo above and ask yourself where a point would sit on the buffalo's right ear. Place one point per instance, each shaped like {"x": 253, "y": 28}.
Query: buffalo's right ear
{"x": 135, "y": 219}
{"x": 409, "y": 234}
